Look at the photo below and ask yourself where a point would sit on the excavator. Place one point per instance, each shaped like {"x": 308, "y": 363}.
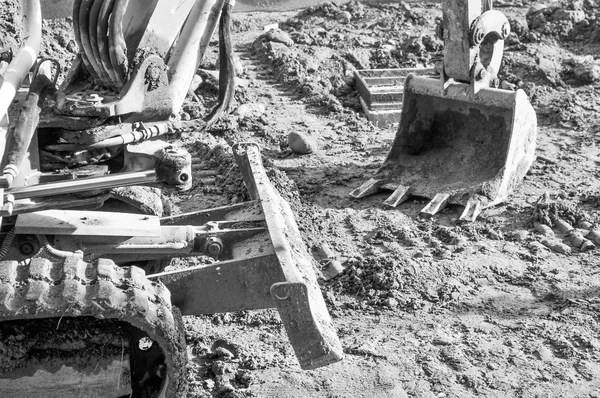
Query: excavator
{"x": 461, "y": 140}
{"x": 87, "y": 305}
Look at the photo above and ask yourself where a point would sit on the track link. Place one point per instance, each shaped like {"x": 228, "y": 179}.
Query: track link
{"x": 75, "y": 288}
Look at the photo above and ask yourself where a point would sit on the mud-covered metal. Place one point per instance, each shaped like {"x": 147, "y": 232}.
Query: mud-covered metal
{"x": 473, "y": 42}
{"x": 142, "y": 55}
{"x": 460, "y": 141}
{"x": 73, "y": 288}
{"x": 257, "y": 266}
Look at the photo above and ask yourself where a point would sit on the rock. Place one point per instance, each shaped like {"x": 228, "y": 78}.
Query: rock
{"x": 507, "y": 85}
{"x": 556, "y": 246}
{"x": 344, "y": 17}
{"x": 249, "y": 110}
{"x": 548, "y": 68}
{"x": 301, "y": 143}
{"x": 594, "y": 236}
{"x": 543, "y": 229}
{"x": 518, "y": 26}
{"x": 272, "y": 26}
{"x": 543, "y": 354}
{"x": 587, "y": 73}
{"x": 585, "y": 225}
{"x": 391, "y": 302}
{"x": 562, "y": 225}
{"x": 279, "y": 48}
{"x": 536, "y": 247}
{"x": 538, "y": 21}
{"x": 521, "y": 235}
{"x": 535, "y": 9}
{"x": 574, "y": 16}
{"x": 222, "y": 352}
{"x": 277, "y": 36}
{"x": 209, "y": 384}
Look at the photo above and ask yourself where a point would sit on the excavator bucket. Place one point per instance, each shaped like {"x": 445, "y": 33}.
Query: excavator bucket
{"x": 460, "y": 143}
{"x": 457, "y": 147}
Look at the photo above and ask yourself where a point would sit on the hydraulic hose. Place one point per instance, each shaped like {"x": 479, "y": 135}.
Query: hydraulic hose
{"x": 7, "y": 243}
{"x": 52, "y": 251}
{"x": 27, "y": 55}
{"x": 226, "y": 67}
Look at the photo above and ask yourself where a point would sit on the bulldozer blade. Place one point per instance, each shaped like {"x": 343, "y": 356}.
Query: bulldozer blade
{"x": 271, "y": 269}
{"x": 458, "y": 147}
{"x": 303, "y": 311}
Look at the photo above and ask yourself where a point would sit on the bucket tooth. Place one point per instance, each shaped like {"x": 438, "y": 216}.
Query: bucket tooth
{"x": 400, "y": 195}
{"x": 472, "y": 210}
{"x": 436, "y": 204}
{"x": 369, "y": 187}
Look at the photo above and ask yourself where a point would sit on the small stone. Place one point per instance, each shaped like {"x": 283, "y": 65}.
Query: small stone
{"x": 548, "y": 67}
{"x": 543, "y": 354}
{"x": 208, "y": 384}
{"x": 536, "y": 8}
{"x": 521, "y": 235}
{"x": 222, "y": 352}
{"x": 249, "y": 110}
{"x": 507, "y": 85}
{"x": 518, "y": 26}
{"x": 574, "y": 16}
{"x": 272, "y": 26}
{"x": 556, "y": 246}
{"x": 344, "y": 17}
{"x": 585, "y": 225}
{"x": 563, "y": 226}
{"x": 495, "y": 234}
{"x": 391, "y": 302}
{"x": 301, "y": 143}
{"x": 536, "y": 247}
{"x": 543, "y": 229}
{"x": 278, "y": 36}
{"x": 587, "y": 73}
{"x": 538, "y": 21}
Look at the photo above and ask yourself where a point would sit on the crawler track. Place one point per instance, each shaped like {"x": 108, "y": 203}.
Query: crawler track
{"x": 74, "y": 288}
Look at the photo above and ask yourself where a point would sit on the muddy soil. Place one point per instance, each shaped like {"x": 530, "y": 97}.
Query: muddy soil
{"x": 424, "y": 307}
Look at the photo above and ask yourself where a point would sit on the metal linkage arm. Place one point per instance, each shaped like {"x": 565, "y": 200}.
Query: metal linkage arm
{"x": 466, "y": 27}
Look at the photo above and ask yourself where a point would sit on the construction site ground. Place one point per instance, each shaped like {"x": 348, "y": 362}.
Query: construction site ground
{"x": 423, "y": 307}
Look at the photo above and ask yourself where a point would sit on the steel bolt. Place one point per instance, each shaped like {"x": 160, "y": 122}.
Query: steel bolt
{"x": 482, "y": 74}
{"x": 214, "y": 246}
{"x": 26, "y": 248}
{"x": 505, "y": 31}
{"x": 94, "y": 98}
{"x": 282, "y": 292}
{"x": 477, "y": 36}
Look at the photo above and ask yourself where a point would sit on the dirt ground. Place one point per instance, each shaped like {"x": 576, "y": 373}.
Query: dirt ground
{"x": 424, "y": 307}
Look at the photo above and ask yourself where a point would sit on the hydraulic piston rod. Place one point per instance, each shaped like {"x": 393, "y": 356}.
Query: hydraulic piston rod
{"x": 84, "y": 184}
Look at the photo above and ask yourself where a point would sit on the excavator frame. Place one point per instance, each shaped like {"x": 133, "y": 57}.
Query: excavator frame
{"x": 66, "y": 266}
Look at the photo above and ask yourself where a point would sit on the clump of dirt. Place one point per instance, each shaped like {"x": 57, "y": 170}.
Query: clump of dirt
{"x": 547, "y": 211}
